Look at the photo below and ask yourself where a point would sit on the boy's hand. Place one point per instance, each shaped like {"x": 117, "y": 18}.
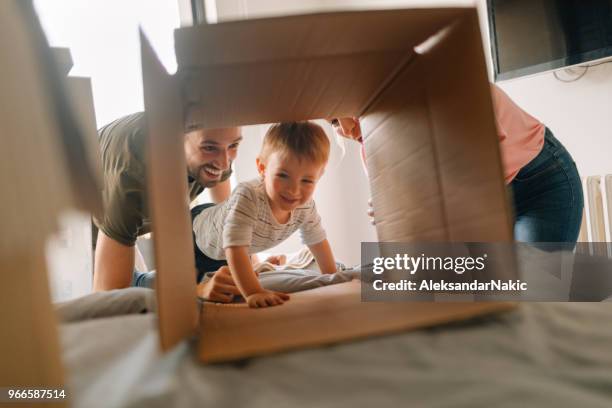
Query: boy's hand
{"x": 277, "y": 259}
{"x": 266, "y": 298}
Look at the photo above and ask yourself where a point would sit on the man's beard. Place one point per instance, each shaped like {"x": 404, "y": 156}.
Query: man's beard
{"x": 205, "y": 181}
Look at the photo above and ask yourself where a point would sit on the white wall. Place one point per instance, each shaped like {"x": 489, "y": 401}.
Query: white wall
{"x": 69, "y": 257}
{"x": 103, "y": 38}
{"x": 341, "y": 194}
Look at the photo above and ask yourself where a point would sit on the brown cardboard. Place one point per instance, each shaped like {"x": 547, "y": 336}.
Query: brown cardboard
{"x": 37, "y": 185}
{"x": 63, "y": 60}
{"x": 445, "y": 150}
{"x": 298, "y": 67}
{"x": 29, "y": 343}
{"x": 450, "y": 163}
{"x": 432, "y": 152}
{"x": 167, "y": 181}
{"x": 81, "y": 101}
{"x": 84, "y": 177}
{"x": 326, "y": 315}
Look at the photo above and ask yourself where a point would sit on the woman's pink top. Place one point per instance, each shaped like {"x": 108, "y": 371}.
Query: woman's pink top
{"x": 521, "y": 136}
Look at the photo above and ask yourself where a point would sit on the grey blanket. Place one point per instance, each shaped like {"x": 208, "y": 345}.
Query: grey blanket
{"x": 142, "y": 300}
{"x": 541, "y": 355}
{"x": 105, "y": 304}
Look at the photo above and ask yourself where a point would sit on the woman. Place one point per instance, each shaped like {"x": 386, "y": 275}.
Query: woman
{"x": 545, "y": 184}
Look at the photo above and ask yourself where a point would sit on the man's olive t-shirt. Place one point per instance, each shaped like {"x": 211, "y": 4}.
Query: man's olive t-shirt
{"x": 122, "y": 150}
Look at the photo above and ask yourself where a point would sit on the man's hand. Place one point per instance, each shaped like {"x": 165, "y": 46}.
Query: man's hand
{"x": 348, "y": 127}
{"x": 219, "y": 288}
{"x": 266, "y": 298}
{"x": 277, "y": 259}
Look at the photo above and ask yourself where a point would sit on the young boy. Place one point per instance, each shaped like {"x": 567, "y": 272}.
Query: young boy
{"x": 262, "y": 213}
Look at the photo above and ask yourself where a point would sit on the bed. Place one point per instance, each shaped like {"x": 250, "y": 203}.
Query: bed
{"x": 540, "y": 354}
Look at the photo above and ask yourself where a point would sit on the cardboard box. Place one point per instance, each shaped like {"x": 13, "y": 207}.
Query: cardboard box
{"x": 432, "y": 153}
{"x": 46, "y": 169}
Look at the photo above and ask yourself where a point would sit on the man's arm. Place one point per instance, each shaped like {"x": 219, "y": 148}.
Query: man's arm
{"x": 220, "y": 192}
{"x": 113, "y": 265}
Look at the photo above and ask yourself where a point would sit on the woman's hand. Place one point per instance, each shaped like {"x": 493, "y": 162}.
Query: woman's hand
{"x": 371, "y": 212}
{"x": 351, "y": 129}
{"x": 266, "y": 298}
{"x": 348, "y": 127}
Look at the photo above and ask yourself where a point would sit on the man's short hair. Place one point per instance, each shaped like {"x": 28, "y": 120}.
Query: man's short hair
{"x": 305, "y": 140}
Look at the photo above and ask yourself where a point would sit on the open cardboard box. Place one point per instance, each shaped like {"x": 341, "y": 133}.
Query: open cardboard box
{"x": 433, "y": 157}
{"x": 432, "y": 149}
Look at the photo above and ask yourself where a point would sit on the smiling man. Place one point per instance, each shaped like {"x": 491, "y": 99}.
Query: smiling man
{"x": 209, "y": 154}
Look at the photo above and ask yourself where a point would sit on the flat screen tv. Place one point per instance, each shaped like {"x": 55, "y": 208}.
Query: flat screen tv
{"x": 531, "y": 36}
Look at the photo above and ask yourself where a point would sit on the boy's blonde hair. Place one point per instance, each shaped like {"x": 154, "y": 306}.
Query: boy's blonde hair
{"x": 306, "y": 140}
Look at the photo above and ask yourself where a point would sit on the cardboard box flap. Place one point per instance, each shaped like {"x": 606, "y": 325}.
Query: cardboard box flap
{"x": 463, "y": 123}
{"x": 308, "y": 36}
{"x": 167, "y": 181}
{"x": 63, "y": 59}
{"x": 441, "y": 142}
{"x": 321, "y": 316}
{"x": 84, "y": 176}
{"x": 298, "y": 67}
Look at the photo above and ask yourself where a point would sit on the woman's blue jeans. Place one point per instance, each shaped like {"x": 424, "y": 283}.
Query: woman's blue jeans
{"x": 547, "y": 196}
